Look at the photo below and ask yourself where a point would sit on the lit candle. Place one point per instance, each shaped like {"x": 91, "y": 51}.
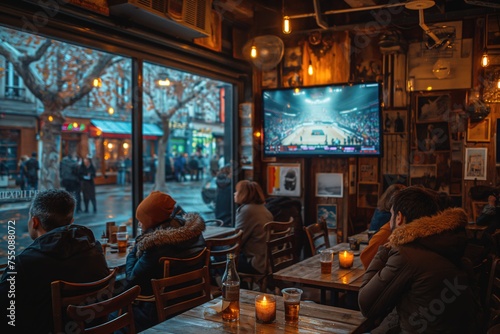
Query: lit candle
{"x": 346, "y": 258}
{"x": 265, "y": 309}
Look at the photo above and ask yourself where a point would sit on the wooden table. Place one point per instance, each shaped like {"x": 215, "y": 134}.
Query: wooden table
{"x": 362, "y": 237}
{"x": 308, "y": 272}
{"x": 313, "y": 318}
{"x": 476, "y": 230}
{"x": 217, "y": 231}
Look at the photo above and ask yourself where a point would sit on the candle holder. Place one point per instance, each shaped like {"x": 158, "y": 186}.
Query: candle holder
{"x": 265, "y": 309}
{"x": 346, "y": 259}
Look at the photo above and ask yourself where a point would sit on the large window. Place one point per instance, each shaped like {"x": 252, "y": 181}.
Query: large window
{"x": 82, "y": 97}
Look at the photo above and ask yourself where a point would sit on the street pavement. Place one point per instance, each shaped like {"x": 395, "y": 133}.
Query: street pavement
{"x": 114, "y": 203}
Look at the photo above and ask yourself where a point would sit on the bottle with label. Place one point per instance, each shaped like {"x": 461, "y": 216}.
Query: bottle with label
{"x": 230, "y": 291}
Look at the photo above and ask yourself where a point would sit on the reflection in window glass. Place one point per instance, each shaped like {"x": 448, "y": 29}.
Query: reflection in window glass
{"x": 184, "y": 158}
{"x": 63, "y": 104}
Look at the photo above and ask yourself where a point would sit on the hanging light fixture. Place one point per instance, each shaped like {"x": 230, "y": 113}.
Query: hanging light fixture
{"x": 498, "y": 83}
{"x": 310, "y": 69}
{"x": 485, "y": 59}
{"x": 287, "y": 28}
{"x": 253, "y": 50}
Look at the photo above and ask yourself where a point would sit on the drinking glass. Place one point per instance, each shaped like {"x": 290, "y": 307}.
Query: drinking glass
{"x": 326, "y": 259}
{"x": 291, "y": 298}
{"x": 104, "y": 244}
{"x": 353, "y": 243}
{"x": 122, "y": 239}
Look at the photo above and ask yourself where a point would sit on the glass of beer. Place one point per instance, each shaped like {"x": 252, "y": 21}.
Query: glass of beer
{"x": 326, "y": 259}
{"x": 122, "y": 239}
{"x": 291, "y": 298}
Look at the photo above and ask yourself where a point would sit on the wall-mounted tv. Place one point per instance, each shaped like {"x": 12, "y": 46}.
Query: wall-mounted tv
{"x": 330, "y": 120}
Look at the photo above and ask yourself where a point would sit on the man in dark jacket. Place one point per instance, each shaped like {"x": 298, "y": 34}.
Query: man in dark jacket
{"x": 60, "y": 251}
{"x": 166, "y": 232}
{"x": 419, "y": 272}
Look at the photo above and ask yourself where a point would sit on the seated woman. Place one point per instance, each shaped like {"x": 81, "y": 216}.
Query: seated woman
{"x": 251, "y": 216}
{"x": 488, "y": 214}
{"x": 382, "y": 213}
{"x": 167, "y": 231}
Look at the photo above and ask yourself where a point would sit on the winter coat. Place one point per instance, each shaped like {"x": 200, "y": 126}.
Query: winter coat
{"x": 223, "y": 199}
{"x": 379, "y": 218}
{"x": 183, "y": 241}
{"x": 251, "y": 218}
{"x": 420, "y": 274}
{"x": 68, "y": 253}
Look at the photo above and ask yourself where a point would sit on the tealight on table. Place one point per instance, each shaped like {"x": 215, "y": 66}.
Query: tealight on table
{"x": 313, "y": 318}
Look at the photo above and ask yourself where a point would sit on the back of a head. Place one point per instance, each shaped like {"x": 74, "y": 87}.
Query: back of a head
{"x": 385, "y": 201}
{"x": 415, "y": 202}
{"x": 250, "y": 192}
{"x": 54, "y": 208}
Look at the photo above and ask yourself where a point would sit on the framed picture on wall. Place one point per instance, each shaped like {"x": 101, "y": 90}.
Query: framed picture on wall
{"x": 283, "y": 180}
{"x": 479, "y": 131}
{"x": 432, "y": 108}
{"x": 432, "y": 137}
{"x": 368, "y": 169}
{"x": 476, "y": 163}
{"x": 394, "y": 121}
{"x": 493, "y": 31}
{"x": 328, "y": 212}
{"x": 424, "y": 175}
{"x": 329, "y": 185}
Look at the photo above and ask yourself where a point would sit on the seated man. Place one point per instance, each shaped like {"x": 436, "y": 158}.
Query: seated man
{"x": 60, "y": 251}
{"x": 419, "y": 272}
{"x": 166, "y": 232}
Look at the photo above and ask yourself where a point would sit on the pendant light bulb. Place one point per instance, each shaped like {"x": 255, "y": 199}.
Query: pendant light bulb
{"x": 287, "y": 28}
{"x": 310, "y": 69}
{"x": 253, "y": 51}
{"x": 498, "y": 83}
{"x": 485, "y": 59}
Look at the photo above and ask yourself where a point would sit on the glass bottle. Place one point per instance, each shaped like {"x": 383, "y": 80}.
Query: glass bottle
{"x": 230, "y": 291}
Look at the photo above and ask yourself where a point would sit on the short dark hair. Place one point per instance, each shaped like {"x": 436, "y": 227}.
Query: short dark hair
{"x": 33, "y": 154}
{"x": 54, "y": 208}
{"x": 415, "y": 202}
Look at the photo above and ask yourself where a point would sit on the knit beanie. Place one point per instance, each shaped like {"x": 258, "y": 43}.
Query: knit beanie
{"x": 155, "y": 209}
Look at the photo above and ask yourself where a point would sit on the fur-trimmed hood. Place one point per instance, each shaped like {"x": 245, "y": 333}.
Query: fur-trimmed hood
{"x": 177, "y": 231}
{"x": 447, "y": 220}
{"x": 443, "y": 233}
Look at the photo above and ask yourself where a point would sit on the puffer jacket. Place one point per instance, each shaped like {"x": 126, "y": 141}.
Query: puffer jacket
{"x": 180, "y": 237}
{"x": 420, "y": 274}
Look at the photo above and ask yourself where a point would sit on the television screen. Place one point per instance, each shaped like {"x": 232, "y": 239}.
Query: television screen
{"x": 331, "y": 120}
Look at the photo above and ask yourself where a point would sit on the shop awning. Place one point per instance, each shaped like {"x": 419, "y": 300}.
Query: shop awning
{"x": 118, "y": 129}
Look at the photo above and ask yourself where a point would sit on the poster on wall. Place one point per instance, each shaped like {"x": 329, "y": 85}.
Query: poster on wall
{"x": 283, "y": 180}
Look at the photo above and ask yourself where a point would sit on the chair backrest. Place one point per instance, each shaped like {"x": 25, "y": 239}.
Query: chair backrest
{"x": 492, "y": 303}
{"x": 122, "y": 303}
{"x": 214, "y": 222}
{"x": 317, "y": 234}
{"x": 178, "y": 293}
{"x": 281, "y": 252}
{"x": 477, "y": 208}
{"x": 68, "y": 293}
{"x": 220, "y": 247}
{"x": 276, "y": 229}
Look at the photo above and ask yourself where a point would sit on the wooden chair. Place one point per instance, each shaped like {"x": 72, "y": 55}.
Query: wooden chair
{"x": 67, "y": 293}
{"x": 175, "y": 294}
{"x": 477, "y": 208}
{"x": 273, "y": 230}
{"x": 492, "y": 302}
{"x": 317, "y": 234}
{"x": 214, "y": 222}
{"x": 219, "y": 248}
{"x": 280, "y": 252}
{"x": 121, "y": 303}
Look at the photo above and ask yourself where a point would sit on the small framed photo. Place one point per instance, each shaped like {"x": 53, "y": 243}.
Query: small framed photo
{"x": 368, "y": 169}
{"x": 432, "y": 108}
{"x": 479, "y": 131}
{"x": 394, "y": 121}
{"x": 368, "y": 195}
{"x": 328, "y": 212}
{"x": 246, "y": 136}
{"x": 283, "y": 180}
{"x": 329, "y": 185}
{"x": 476, "y": 163}
{"x": 433, "y": 137}
{"x": 493, "y": 31}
